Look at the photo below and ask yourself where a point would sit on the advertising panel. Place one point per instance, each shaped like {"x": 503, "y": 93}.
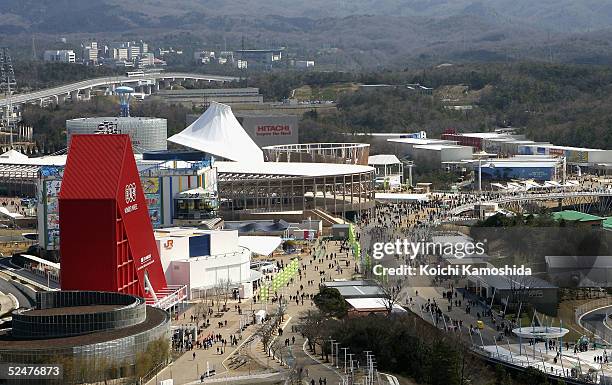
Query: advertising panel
{"x": 574, "y": 156}
{"x": 152, "y": 193}
{"x": 268, "y": 130}
{"x": 51, "y": 190}
{"x": 508, "y": 173}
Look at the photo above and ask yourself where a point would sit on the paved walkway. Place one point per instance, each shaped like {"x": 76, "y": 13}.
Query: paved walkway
{"x": 186, "y": 369}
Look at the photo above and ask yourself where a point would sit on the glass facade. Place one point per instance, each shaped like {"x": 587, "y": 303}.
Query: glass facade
{"x": 27, "y": 324}
{"x": 200, "y": 208}
{"x": 119, "y": 355}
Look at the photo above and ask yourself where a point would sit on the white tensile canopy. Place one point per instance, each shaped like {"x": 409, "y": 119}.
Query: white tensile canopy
{"x": 262, "y": 245}
{"x": 13, "y": 155}
{"x": 218, "y": 132}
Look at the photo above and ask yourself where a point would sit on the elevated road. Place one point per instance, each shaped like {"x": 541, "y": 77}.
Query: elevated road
{"x": 73, "y": 90}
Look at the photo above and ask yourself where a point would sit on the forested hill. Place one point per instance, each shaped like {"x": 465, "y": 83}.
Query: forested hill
{"x": 360, "y": 34}
{"x": 563, "y": 104}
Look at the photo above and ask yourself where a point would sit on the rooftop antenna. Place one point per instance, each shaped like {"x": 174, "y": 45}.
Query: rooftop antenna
{"x": 125, "y": 94}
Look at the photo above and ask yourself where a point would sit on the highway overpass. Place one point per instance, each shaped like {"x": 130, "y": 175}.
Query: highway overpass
{"x": 82, "y": 90}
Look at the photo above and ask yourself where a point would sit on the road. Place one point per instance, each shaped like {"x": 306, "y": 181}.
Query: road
{"x": 24, "y": 295}
{"x": 10, "y": 269}
{"x": 595, "y": 321}
{"x": 107, "y": 81}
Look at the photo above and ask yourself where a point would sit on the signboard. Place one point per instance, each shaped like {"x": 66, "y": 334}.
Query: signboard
{"x": 51, "y": 189}
{"x": 271, "y": 130}
{"x": 268, "y": 130}
{"x": 509, "y": 173}
{"x": 152, "y": 193}
{"x": 577, "y": 156}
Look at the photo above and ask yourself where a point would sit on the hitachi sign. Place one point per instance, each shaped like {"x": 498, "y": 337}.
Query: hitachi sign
{"x": 280, "y": 129}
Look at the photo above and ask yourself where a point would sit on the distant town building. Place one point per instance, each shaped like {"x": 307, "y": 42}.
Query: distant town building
{"x": 89, "y": 52}
{"x": 304, "y": 64}
{"x": 164, "y": 51}
{"x": 61, "y": 56}
{"x": 241, "y": 64}
{"x": 119, "y": 50}
{"x": 201, "y": 97}
{"x": 260, "y": 57}
{"x": 147, "y": 59}
{"x": 134, "y": 52}
{"x": 203, "y": 57}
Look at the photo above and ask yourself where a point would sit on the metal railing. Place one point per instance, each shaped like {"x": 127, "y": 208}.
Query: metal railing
{"x": 528, "y": 196}
{"x": 604, "y": 332}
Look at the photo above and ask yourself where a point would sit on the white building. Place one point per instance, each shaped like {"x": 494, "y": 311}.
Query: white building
{"x": 427, "y": 150}
{"x": 60, "y": 56}
{"x": 203, "y": 57}
{"x": 90, "y": 52}
{"x": 147, "y": 59}
{"x": 134, "y": 52}
{"x": 242, "y": 64}
{"x": 205, "y": 259}
{"x": 435, "y": 155}
{"x": 120, "y": 53}
{"x": 389, "y": 170}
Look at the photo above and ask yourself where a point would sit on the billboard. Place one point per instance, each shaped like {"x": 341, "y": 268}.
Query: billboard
{"x": 508, "y": 173}
{"x": 269, "y": 130}
{"x": 152, "y": 193}
{"x": 48, "y": 207}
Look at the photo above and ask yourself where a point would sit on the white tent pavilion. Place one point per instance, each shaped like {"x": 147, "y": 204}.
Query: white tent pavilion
{"x": 218, "y": 132}
{"x": 262, "y": 245}
{"x": 13, "y": 155}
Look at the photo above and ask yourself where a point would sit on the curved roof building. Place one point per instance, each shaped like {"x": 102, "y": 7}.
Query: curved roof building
{"x": 94, "y": 336}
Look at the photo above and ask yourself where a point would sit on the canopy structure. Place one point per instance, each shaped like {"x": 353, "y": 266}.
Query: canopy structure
{"x": 546, "y": 332}
{"x": 218, "y": 132}
{"x": 401, "y": 197}
{"x": 195, "y": 193}
{"x": 13, "y": 155}
{"x": 261, "y": 245}
{"x": 373, "y": 304}
{"x": 4, "y": 212}
{"x": 381, "y": 160}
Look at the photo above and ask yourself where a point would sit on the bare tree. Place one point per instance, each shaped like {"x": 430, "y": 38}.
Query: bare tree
{"x": 265, "y": 334}
{"x": 391, "y": 288}
{"x": 311, "y": 326}
{"x": 225, "y": 286}
{"x": 296, "y": 375}
{"x": 277, "y": 349}
{"x": 217, "y": 294}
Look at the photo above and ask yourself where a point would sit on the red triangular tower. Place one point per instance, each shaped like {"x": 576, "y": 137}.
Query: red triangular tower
{"x": 106, "y": 237}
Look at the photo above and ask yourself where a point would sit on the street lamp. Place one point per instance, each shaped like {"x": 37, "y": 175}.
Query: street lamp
{"x": 337, "y": 350}
{"x": 332, "y": 348}
{"x": 345, "y": 350}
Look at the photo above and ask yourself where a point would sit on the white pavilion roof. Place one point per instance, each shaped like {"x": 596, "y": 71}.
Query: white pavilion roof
{"x": 218, "y": 132}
